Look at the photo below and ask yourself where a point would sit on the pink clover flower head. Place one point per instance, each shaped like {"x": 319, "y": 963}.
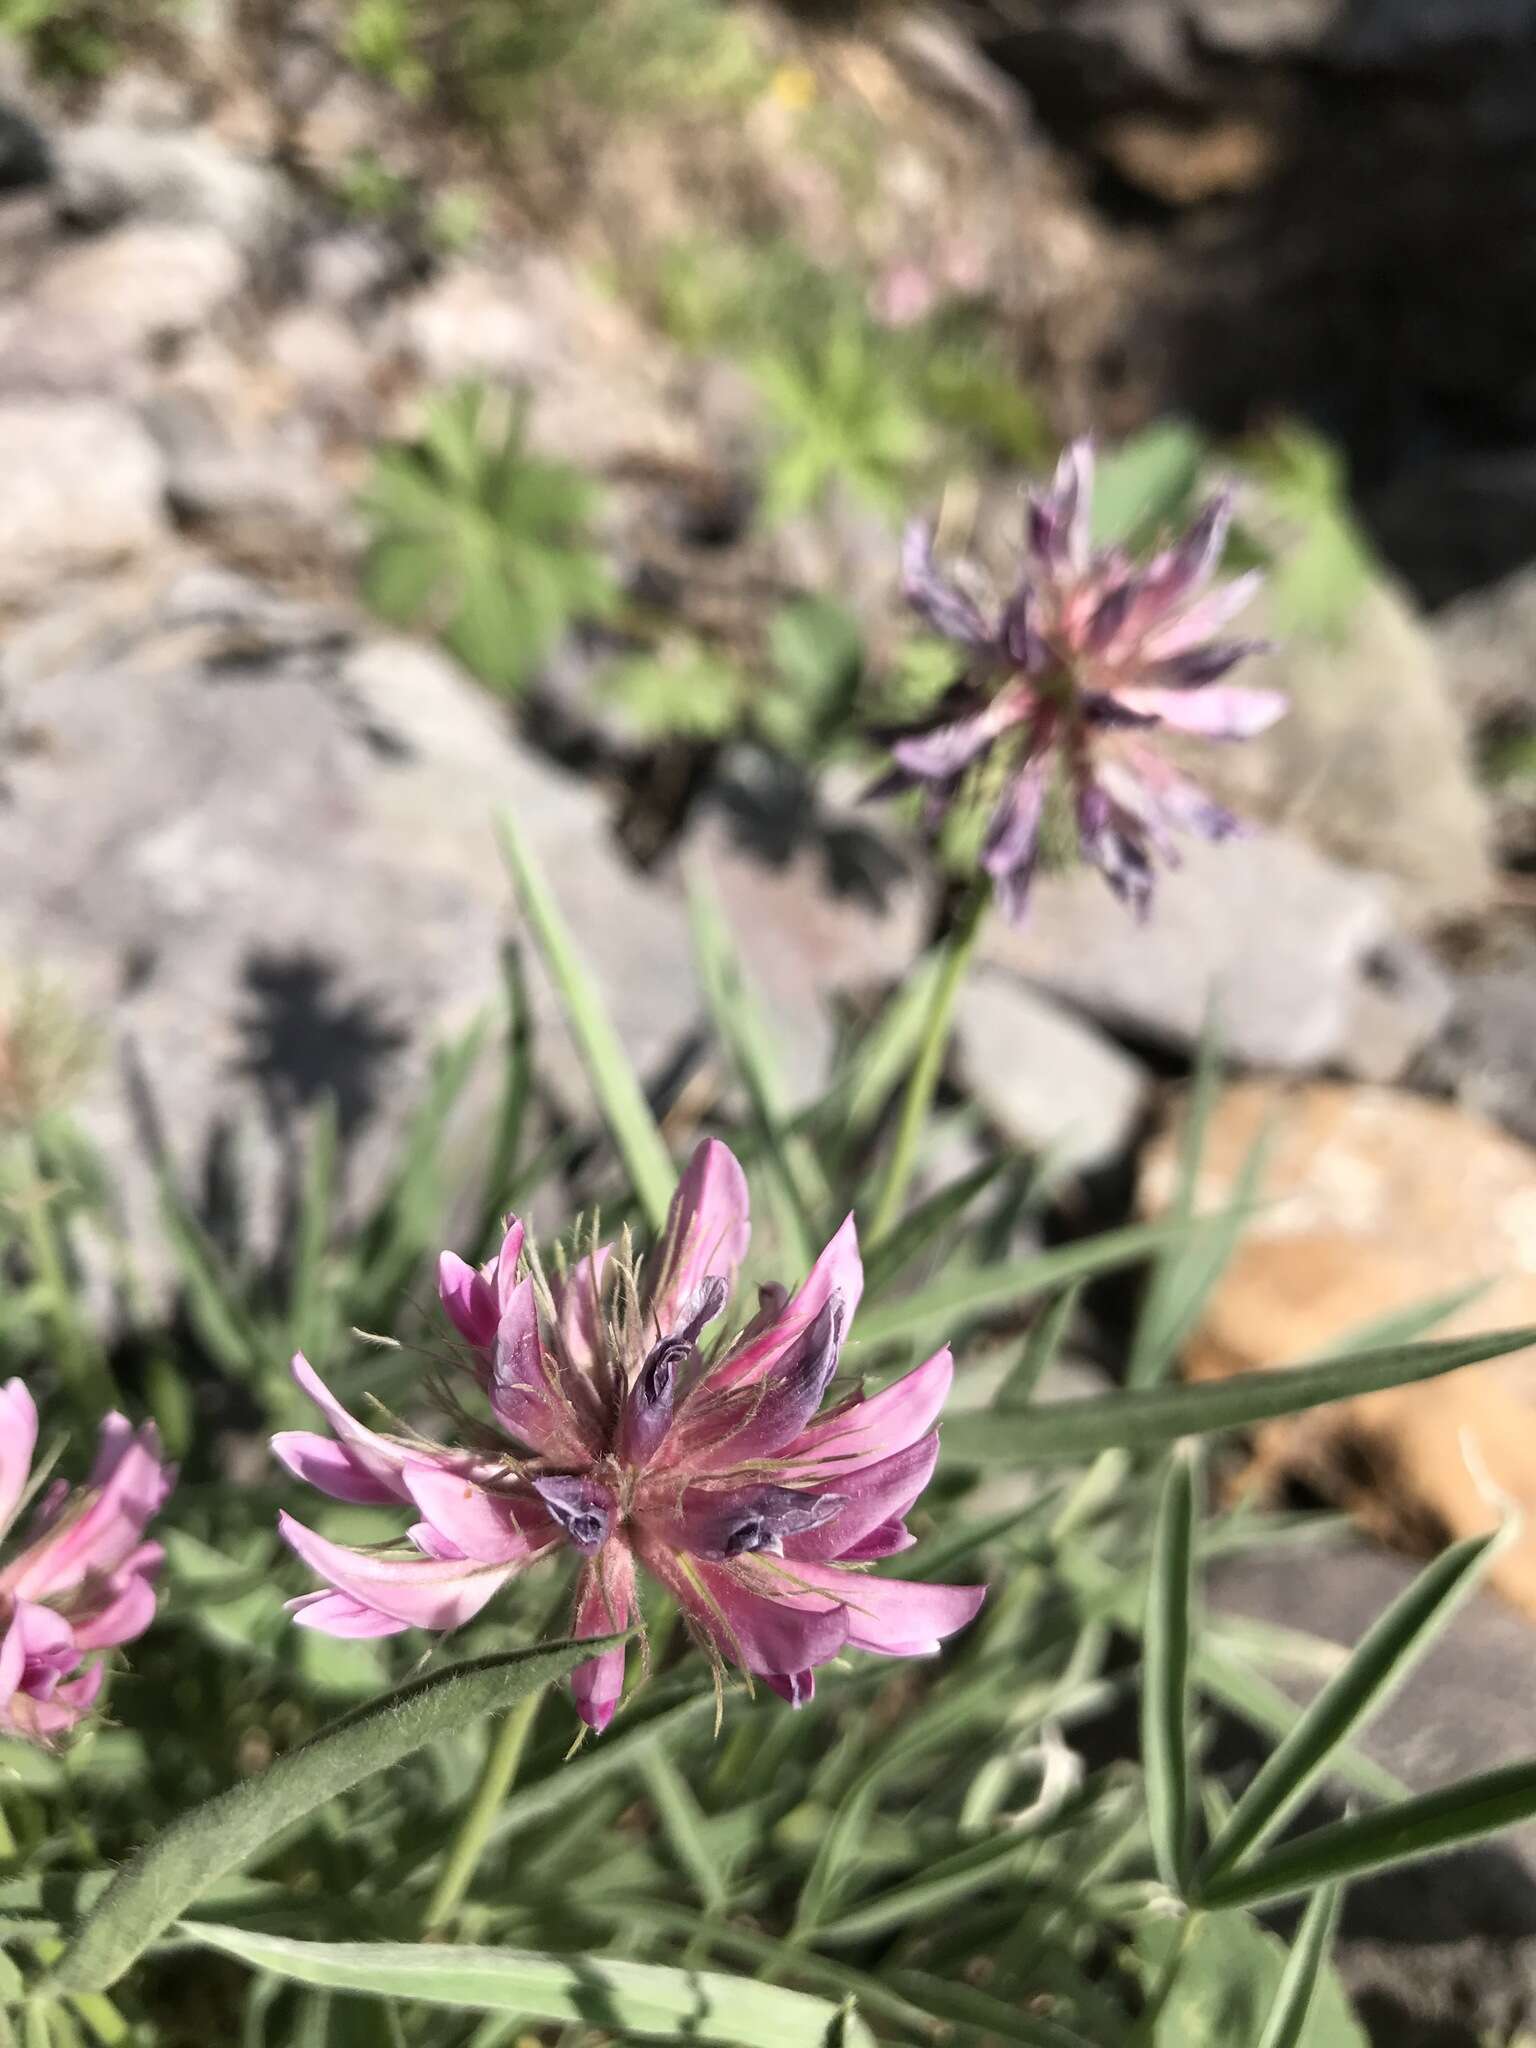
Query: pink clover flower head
{"x": 83, "y": 1580}
{"x": 630, "y": 1440}
{"x": 1091, "y": 656}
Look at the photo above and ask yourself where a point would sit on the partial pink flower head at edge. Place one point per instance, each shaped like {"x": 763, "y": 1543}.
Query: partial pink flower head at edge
{"x": 635, "y": 1444}
{"x": 1090, "y": 657}
{"x": 83, "y": 1582}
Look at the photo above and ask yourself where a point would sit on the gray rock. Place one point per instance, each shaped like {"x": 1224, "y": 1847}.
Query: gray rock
{"x": 107, "y": 172}
{"x": 259, "y": 498}
{"x": 1306, "y": 961}
{"x": 1486, "y": 1055}
{"x": 1047, "y": 1081}
{"x": 96, "y": 308}
{"x": 1487, "y": 646}
{"x": 1443, "y": 1953}
{"x": 84, "y": 485}
{"x": 296, "y": 891}
{"x": 819, "y": 906}
{"x": 1372, "y": 763}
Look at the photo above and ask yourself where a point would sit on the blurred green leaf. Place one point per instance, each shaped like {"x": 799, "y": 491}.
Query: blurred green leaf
{"x": 648, "y": 1999}
{"x": 1228, "y": 1977}
{"x": 1288, "y": 2024}
{"x": 1143, "y": 486}
{"x": 227, "y": 1831}
{"x": 1081, "y": 1429}
{"x": 1165, "y": 1694}
{"x": 1386, "y": 1654}
{"x": 480, "y": 541}
{"x": 1427, "y": 1826}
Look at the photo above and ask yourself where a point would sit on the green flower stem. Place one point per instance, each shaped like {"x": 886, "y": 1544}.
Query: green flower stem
{"x": 500, "y": 1768}
{"x": 957, "y": 948}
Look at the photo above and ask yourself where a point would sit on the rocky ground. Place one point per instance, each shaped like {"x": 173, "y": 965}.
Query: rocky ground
{"x": 247, "y": 830}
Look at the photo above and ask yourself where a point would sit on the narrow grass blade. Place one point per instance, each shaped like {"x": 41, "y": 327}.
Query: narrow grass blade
{"x": 678, "y": 1812}
{"x": 1234, "y": 1684}
{"x": 1165, "y": 1691}
{"x": 872, "y": 1073}
{"x": 1426, "y": 1826}
{"x": 317, "y": 1197}
{"x": 959, "y": 1296}
{"x": 1286, "y": 2025}
{"x": 1041, "y": 1348}
{"x": 917, "y": 1231}
{"x": 1386, "y": 1654}
{"x": 1078, "y": 1430}
{"x": 219, "y": 1836}
{"x": 651, "y": 2000}
{"x": 619, "y": 1094}
{"x": 745, "y": 1037}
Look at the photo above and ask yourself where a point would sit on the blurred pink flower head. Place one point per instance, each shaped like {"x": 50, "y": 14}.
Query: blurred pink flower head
{"x": 83, "y": 1580}
{"x": 1089, "y": 658}
{"x": 627, "y": 1439}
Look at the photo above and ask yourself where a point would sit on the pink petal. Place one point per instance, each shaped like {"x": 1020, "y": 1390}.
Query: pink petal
{"x": 1203, "y": 620}
{"x": 18, "y": 1440}
{"x": 13, "y": 1660}
{"x": 838, "y": 1271}
{"x": 338, "y": 1614}
{"x": 421, "y": 1592}
{"x": 330, "y": 1467}
{"x": 888, "y": 1540}
{"x": 936, "y": 600}
{"x": 526, "y": 1394}
{"x": 716, "y": 1431}
{"x": 121, "y": 1618}
{"x": 876, "y": 1495}
{"x": 604, "y": 1604}
{"x": 877, "y": 1426}
{"x": 469, "y": 1300}
{"x": 1219, "y": 712}
{"x": 578, "y": 1309}
{"x": 132, "y": 1483}
{"x": 895, "y": 1617}
{"x": 797, "y": 1687}
{"x": 48, "y": 1648}
{"x": 376, "y": 1458}
{"x": 706, "y": 1237}
{"x": 483, "y": 1526}
{"x": 757, "y": 1630}
{"x": 501, "y": 1271}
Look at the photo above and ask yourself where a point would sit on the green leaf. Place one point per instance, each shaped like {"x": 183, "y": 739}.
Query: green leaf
{"x": 1076, "y": 1430}
{"x": 898, "y": 1252}
{"x": 1228, "y": 1976}
{"x": 1144, "y": 485}
{"x": 679, "y": 1814}
{"x": 1426, "y": 1826}
{"x": 1287, "y": 2025}
{"x": 226, "y": 1832}
{"x": 1041, "y": 1347}
{"x": 963, "y": 1295}
{"x": 649, "y": 1999}
{"x": 1386, "y": 1654}
{"x": 619, "y": 1094}
{"x": 1165, "y": 1673}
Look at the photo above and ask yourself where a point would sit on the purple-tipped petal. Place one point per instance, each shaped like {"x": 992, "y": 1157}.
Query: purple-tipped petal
{"x": 717, "y": 1431}
{"x": 122, "y": 1617}
{"x": 937, "y": 601}
{"x": 418, "y": 1591}
{"x": 649, "y": 1402}
{"x": 1013, "y": 835}
{"x": 889, "y": 1540}
{"x": 869, "y": 1430}
{"x": 584, "y": 1509}
{"x": 746, "y": 1520}
{"x": 869, "y": 1499}
{"x": 839, "y": 1271}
